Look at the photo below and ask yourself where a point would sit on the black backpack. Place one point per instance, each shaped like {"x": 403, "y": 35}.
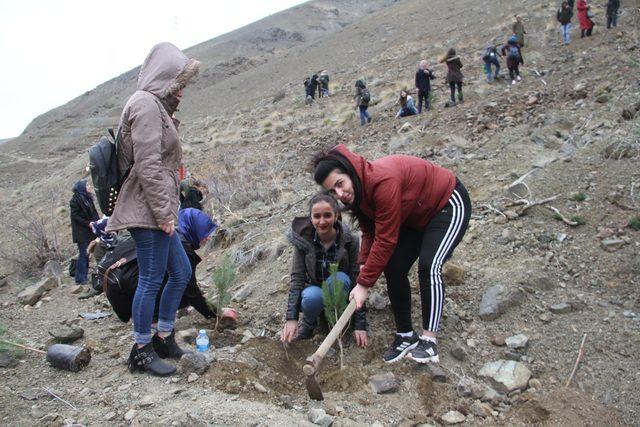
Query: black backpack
{"x": 105, "y": 172}
{"x": 366, "y": 95}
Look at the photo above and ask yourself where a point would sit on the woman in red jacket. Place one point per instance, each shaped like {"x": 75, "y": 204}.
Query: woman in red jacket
{"x": 586, "y": 24}
{"x": 407, "y": 209}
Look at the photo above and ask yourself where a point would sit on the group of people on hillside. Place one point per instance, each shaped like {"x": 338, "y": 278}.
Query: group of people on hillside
{"x": 585, "y": 17}
{"x": 318, "y": 82}
{"x": 407, "y": 208}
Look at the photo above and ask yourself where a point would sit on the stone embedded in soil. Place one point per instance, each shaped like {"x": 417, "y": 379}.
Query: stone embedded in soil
{"x": 194, "y": 362}
{"x": 259, "y": 387}
{"x": 545, "y": 317}
{"x": 434, "y": 372}
{"x": 561, "y": 308}
{"x": 147, "y": 401}
{"x": 31, "y": 294}
{"x": 383, "y": 383}
{"x": 3, "y": 282}
{"x": 130, "y": 414}
{"x": 377, "y": 301}
{"x": 187, "y": 335}
{"x": 506, "y": 375}
{"x": 512, "y": 355}
{"x": 497, "y": 300}
{"x": 498, "y": 340}
{"x": 535, "y": 383}
{"x": 64, "y": 334}
{"x": 244, "y": 292}
{"x": 612, "y": 245}
{"x": 76, "y": 289}
{"x": 453, "y": 274}
{"x": 453, "y": 417}
{"x": 517, "y": 342}
{"x": 481, "y": 410}
{"x": 193, "y": 377}
{"x": 464, "y": 388}
{"x": 7, "y": 360}
{"x": 319, "y": 417}
{"x": 458, "y": 353}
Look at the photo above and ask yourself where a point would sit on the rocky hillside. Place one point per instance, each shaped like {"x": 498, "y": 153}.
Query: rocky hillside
{"x": 550, "y": 257}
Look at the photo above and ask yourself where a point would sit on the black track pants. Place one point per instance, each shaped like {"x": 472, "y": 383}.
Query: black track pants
{"x": 433, "y": 247}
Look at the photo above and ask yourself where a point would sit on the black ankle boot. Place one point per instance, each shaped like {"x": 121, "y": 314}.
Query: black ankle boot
{"x": 305, "y": 330}
{"x": 167, "y": 347}
{"x": 145, "y": 359}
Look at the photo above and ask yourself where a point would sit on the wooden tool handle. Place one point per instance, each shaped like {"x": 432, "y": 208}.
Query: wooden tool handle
{"x": 316, "y": 357}
{"x": 23, "y": 347}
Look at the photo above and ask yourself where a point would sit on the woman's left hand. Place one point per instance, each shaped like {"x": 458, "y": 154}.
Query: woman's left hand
{"x": 360, "y": 294}
{"x": 361, "y": 338}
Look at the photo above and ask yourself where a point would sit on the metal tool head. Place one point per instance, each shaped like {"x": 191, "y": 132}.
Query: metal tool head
{"x": 313, "y": 387}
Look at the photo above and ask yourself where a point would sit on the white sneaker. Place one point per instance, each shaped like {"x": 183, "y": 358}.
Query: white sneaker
{"x": 519, "y": 78}
{"x": 513, "y": 82}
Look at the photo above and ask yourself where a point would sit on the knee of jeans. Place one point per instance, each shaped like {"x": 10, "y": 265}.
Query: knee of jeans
{"x": 183, "y": 274}
{"x": 311, "y": 297}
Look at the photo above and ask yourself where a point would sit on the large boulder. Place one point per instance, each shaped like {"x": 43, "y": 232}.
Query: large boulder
{"x": 506, "y": 375}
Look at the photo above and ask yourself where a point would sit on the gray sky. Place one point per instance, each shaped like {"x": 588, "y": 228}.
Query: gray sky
{"x": 53, "y": 51}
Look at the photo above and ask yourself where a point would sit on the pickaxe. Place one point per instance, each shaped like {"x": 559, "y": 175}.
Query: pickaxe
{"x": 313, "y": 362}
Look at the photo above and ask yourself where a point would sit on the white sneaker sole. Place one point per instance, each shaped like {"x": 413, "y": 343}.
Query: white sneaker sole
{"x": 403, "y": 354}
{"x": 432, "y": 359}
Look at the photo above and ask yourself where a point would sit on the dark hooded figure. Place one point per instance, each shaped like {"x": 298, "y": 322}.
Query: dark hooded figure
{"x": 83, "y": 212}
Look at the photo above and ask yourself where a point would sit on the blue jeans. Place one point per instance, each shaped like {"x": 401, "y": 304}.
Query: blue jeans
{"x": 487, "y": 68}
{"x": 364, "y": 116}
{"x": 82, "y": 266}
{"x": 158, "y": 253}
{"x": 566, "y": 33}
{"x": 312, "y": 303}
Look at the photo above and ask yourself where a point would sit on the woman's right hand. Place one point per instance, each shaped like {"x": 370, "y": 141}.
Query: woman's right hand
{"x": 289, "y": 331}
{"x": 168, "y": 227}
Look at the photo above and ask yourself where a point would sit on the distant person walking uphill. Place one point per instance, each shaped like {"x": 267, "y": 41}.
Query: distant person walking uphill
{"x": 454, "y": 75}
{"x": 362, "y": 98}
{"x": 585, "y": 15}
{"x": 612, "y": 13}
{"x": 564, "y": 15}
{"x": 83, "y": 213}
{"x": 407, "y": 209}
{"x": 514, "y": 58}
{"x": 148, "y": 202}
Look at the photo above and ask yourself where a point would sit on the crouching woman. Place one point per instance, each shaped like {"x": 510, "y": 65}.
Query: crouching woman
{"x": 320, "y": 240}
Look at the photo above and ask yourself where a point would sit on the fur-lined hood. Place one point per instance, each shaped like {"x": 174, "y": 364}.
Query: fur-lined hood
{"x": 166, "y": 70}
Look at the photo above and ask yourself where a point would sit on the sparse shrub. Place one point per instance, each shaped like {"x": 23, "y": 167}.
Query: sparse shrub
{"x": 579, "y": 196}
{"x": 266, "y": 131}
{"x": 267, "y": 124}
{"x": 578, "y": 219}
{"x": 635, "y": 223}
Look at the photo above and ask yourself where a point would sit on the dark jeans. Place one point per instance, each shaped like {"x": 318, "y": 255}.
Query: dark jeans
{"x": 158, "y": 253}
{"x": 365, "y": 117}
{"x": 514, "y": 71}
{"x": 433, "y": 246}
{"x": 587, "y": 32}
{"x": 612, "y": 20}
{"x": 82, "y": 267}
{"x": 423, "y": 94}
{"x": 452, "y": 87}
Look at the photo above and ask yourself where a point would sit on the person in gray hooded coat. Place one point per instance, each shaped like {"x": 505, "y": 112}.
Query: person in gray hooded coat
{"x": 320, "y": 240}
{"x": 148, "y": 202}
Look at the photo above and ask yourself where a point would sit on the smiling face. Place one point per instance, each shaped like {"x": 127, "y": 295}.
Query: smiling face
{"x": 340, "y": 186}
{"x": 323, "y": 217}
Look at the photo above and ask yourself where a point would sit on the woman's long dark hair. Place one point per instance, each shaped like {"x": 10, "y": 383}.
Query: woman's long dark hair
{"x": 324, "y": 162}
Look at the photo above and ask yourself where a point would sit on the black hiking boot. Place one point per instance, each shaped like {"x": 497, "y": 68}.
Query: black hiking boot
{"x": 425, "y": 351}
{"x": 167, "y": 347}
{"x": 460, "y": 98}
{"x": 145, "y": 359}
{"x": 305, "y": 330}
{"x": 400, "y": 347}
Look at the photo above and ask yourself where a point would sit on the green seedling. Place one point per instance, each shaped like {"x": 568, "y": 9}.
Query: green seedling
{"x": 579, "y": 197}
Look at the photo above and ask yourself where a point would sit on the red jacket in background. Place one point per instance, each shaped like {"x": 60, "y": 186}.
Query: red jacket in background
{"x": 585, "y": 21}
{"x": 397, "y": 191}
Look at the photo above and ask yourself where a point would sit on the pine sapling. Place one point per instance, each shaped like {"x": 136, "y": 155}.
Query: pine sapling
{"x": 223, "y": 278}
{"x": 335, "y": 302}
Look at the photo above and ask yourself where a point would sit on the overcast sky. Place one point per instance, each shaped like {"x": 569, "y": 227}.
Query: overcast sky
{"x": 53, "y": 51}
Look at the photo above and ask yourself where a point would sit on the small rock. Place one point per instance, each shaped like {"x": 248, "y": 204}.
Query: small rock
{"x": 517, "y": 342}
{"x": 147, "y": 401}
{"x": 195, "y": 362}
{"x": 36, "y": 412}
{"x": 512, "y": 355}
{"x": 612, "y": 245}
{"x": 628, "y": 113}
{"x": 506, "y": 375}
{"x": 319, "y": 417}
{"x": 259, "y": 387}
{"x": 481, "y": 410}
{"x": 602, "y": 99}
{"x": 64, "y": 334}
{"x": 244, "y": 292}
{"x": 187, "y": 335}
{"x": 3, "y": 282}
{"x": 497, "y": 299}
{"x": 545, "y": 317}
{"x": 458, "y": 353}
{"x": 453, "y": 274}
{"x": 7, "y": 360}
{"x": 543, "y": 283}
{"x": 453, "y": 417}
{"x": 377, "y": 301}
{"x": 110, "y": 416}
{"x": 31, "y": 294}
{"x": 500, "y": 220}
{"x": 383, "y": 383}
{"x": 130, "y": 414}
{"x": 193, "y": 377}
{"x": 561, "y": 308}
{"x": 464, "y": 388}
{"x": 532, "y": 100}
{"x": 498, "y": 340}
{"x": 535, "y": 383}
{"x": 406, "y": 127}
{"x": 434, "y": 372}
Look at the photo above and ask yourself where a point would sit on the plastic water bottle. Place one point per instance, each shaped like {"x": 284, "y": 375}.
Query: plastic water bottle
{"x": 202, "y": 341}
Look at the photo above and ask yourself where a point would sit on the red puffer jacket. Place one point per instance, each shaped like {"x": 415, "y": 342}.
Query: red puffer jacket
{"x": 585, "y": 21}
{"x": 397, "y": 191}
